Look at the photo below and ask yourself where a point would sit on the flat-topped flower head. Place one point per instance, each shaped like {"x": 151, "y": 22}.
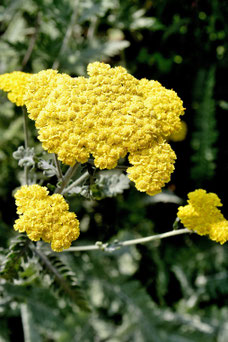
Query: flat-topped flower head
{"x": 14, "y": 84}
{"x": 202, "y": 215}
{"x": 107, "y": 115}
{"x": 45, "y": 217}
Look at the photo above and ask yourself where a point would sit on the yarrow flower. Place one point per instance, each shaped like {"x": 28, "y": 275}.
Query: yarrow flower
{"x": 45, "y": 217}
{"x": 108, "y": 115}
{"x": 202, "y": 215}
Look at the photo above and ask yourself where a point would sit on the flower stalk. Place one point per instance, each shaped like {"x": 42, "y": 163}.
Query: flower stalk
{"x": 69, "y": 174}
{"x": 58, "y": 167}
{"x": 117, "y": 244}
{"x": 76, "y": 182}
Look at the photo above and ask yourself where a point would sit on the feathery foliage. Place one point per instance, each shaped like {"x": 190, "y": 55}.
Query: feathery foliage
{"x": 205, "y": 134}
{"x": 11, "y": 264}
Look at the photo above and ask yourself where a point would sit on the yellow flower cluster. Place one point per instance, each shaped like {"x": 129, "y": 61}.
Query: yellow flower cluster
{"x": 14, "y": 83}
{"x": 202, "y": 215}
{"x": 152, "y": 167}
{"x": 179, "y": 135}
{"x": 108, "y": 115}
{"x": 45, "y": 217}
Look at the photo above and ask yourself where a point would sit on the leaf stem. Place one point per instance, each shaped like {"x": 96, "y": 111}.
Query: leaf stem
{"x": 70, "y": 172}
{"x": 77, "y": 182}
{"x": 59, "y": 279}
{"x": 106, "y": 246}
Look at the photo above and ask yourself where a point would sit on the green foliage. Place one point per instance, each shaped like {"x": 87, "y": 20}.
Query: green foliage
{"x": 47, "y": 166}
{"x": 11, "y": 264}
{"x": 63, "y": 280}
{"x": 25, "y": 156}
{"x": 205, "y": 135}
{"x": 103, "y": 184}
{"x": 112, "y": 183}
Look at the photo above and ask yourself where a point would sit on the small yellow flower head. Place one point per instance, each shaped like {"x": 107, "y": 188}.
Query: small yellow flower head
{"x": 45, "y": 217}
{"x": 14, "y": 83}
{"x": 179, "y": 135}
{"x": 152, "y": 167}
{"x": 202, "y": 215}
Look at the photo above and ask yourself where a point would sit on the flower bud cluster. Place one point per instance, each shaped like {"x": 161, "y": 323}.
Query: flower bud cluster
{"x": 45, "y": 217}
{"x": 202, "y": 215}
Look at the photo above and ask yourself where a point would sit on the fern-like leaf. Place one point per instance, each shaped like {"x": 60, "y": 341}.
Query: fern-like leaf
{"x": 18, "y": 250}
{"x": 63, "y": 279}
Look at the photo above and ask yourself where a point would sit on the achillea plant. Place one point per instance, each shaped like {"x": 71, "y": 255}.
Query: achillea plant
{"x": 108, "y": 116}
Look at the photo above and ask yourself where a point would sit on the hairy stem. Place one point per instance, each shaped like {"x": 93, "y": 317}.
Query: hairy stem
{"x": 128, "y": 242}
{"x": 70, "y": 172}
{"x": 77, "y": 182}
{"x": 58, "y": 167}
{"x": 26, "y": 138}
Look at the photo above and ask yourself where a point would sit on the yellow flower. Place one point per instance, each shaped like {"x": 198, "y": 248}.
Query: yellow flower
{"x": 45, "y": 217}
{"x": 14, "y": 83}
{"x": 107, "y": 115}
{"x": 152, "y": 167}
{"x": 202, "y": 215}
{"x": 179, "y": 135}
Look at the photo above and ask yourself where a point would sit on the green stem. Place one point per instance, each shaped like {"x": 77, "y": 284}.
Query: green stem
{"x": 77, "y": 182}
{"x": 26, "y": 138}
{"x": 102, "y": 246}
{"x": 70, "y": 172}
{"x": 26, "y": 319}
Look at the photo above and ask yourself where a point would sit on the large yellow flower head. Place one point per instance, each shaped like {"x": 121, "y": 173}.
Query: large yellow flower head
{"x": 45, "y": 217}
{"x": 202, "y": 215}
{"x": 109, "y": 114}
{"x": 14, "y": 83}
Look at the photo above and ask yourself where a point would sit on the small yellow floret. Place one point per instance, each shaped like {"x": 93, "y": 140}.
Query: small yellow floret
{"x": 179, "y": 135}
{"x": 202, "y": 215}
{"x": 45, "y": 217}
{"x": 15, "y": 85}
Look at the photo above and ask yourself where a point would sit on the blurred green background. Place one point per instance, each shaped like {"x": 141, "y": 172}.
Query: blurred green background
{"x": 174, "y": 290}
